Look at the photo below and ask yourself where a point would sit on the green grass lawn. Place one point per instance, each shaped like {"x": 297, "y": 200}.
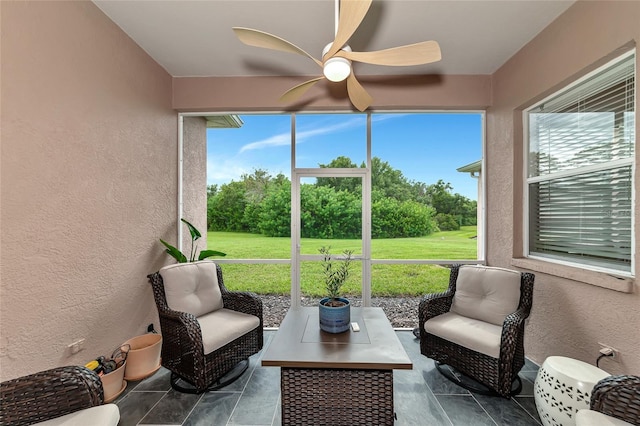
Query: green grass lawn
{"x": 386, "y": 280}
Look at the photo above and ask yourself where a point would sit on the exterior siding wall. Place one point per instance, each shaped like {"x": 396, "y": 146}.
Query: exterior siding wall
{"x": 194, "y": 176}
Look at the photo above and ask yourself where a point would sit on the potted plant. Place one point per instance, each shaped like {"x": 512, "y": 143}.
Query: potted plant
{"x": 195, "y": 236}
{"x": 335, "y": 311}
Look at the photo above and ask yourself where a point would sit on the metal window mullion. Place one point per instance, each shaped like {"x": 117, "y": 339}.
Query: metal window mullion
{"x": 366, "y": 223}
{"x": 295, "y": 222}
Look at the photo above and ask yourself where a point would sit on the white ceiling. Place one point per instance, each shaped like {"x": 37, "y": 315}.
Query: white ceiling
{"x": 194, "y": 38}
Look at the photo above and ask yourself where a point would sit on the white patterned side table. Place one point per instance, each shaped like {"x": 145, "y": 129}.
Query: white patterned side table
{"x": 562, "y": 387}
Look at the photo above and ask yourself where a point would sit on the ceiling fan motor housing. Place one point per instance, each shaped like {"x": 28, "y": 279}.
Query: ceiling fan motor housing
{"x": 336, "y": 69}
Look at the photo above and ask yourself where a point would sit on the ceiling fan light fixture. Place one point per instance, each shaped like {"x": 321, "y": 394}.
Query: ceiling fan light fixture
{"x": 337, "y": 69}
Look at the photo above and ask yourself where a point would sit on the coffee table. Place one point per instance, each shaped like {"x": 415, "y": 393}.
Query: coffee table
{"x": 344, "y": 378}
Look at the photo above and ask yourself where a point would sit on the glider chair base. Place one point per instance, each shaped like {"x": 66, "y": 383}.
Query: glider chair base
{"x": 234, "y": 374}
{"x": 472, "y": 385}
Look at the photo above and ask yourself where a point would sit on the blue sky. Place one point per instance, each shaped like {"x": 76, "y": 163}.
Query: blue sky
{"x": 424, "y": 146}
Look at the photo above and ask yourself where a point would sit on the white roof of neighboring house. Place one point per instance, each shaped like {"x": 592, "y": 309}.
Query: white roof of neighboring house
{"x": 471, "y": 168}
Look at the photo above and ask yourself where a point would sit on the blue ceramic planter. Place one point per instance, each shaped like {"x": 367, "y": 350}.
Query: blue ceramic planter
{"x": 335, "y": 319}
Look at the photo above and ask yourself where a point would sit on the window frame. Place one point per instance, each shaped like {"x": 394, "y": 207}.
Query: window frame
{"x": 567, "y": 267}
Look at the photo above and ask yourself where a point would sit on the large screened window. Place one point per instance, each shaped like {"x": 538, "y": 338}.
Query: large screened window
{"x": 581, "y": 144}
{"x": 393, "y": 188}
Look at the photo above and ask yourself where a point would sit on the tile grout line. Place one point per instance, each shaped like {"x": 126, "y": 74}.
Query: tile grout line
{"x": 273, "y": 419}
{"x": 152, "y": 407}
{"x": 526, "y": 411}
{"x": 440, "y": 405}
{"x": 193, "y": 408}
{"x": 240, "y": 397}
{"x": 436, "y": 399}
{"x": 483, "y": 409}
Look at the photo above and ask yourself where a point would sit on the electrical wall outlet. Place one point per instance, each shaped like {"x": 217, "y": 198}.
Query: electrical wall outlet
{"x": 616, "y": 352}
{"x": 76, "y": 346}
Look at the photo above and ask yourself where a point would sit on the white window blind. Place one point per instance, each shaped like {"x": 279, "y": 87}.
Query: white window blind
{"x": 580, "y": 170}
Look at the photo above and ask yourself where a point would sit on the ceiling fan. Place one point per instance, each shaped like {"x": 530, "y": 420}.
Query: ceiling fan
{"x": 337, "y": 55}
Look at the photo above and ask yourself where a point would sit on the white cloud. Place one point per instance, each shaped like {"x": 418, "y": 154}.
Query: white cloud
{"x": 285, "y": 138}
{"x": 224, "y": 171}
{"x": 384, "y": 117}
{"x": 276, "y": 140}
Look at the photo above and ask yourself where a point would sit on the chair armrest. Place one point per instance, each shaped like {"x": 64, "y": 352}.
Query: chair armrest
{"x": 433, "y": 305}
{"x": 243, "y": 301}
{"x": 513, "y": 322}
{"x": 512, "y": 329}
{"x": 182, "y": 327}
{"x": 618, "y": 396}
{"x": 49, "y": 394}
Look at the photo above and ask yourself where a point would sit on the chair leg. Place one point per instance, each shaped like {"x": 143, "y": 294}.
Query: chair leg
{"x": 233, "y": 375}
{"x": 472, "y": 385}
{"x": 416, "y": 332}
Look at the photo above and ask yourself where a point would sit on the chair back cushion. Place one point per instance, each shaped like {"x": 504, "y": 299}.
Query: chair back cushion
{"x": 486, "y": 293}
{"x": 192, "y": 287}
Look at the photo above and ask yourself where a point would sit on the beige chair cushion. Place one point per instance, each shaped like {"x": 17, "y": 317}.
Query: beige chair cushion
{"x": 479, "y": 336}
{"x": 224, "y": 326}
{"x": 486, "y": 293}
{"x": 101, "y": 415}
{"x": 596, "y": 418}
{"x": 192, "y": 287}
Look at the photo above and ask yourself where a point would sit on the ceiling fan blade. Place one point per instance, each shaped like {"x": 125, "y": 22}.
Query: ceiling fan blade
{"x": 359, "y": 97}
{"x": 411, "y": 54}
{"x": 297, "y": 91}
{"x": 259, "y": 38}
{"x": 352, "y": 13}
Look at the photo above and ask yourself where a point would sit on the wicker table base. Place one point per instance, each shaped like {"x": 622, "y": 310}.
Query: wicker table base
{"x": 336, "y": 397}
{"x": 336, "y": 379}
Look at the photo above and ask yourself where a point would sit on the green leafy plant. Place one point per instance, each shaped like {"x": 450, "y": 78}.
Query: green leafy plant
{"x": 195, "y": 236}
{"x": 335, "y": 275}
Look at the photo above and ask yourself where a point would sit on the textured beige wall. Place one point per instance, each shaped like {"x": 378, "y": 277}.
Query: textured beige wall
{"x": 88, "y": 172}
{"x": 569, "y": 317}
{"x": 231, "y": 94}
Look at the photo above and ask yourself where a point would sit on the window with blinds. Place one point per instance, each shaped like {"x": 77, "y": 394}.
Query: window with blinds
{"x": 581, "y": 144}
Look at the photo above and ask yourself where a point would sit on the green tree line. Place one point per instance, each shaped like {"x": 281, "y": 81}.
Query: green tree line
{"x": 332, "y": 208}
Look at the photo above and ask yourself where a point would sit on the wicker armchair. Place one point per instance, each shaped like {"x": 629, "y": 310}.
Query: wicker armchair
{"x": 203, "y": 342}
{"x": 73, "y": 392}
{"x": 485, "y": 318}
{"x": 614, "y": 400}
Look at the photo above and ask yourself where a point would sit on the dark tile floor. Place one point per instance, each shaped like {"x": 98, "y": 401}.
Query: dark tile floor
{"x": 422, "y": 397}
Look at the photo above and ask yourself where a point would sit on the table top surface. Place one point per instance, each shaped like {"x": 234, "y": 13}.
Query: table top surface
{"x": 299, "y": 343}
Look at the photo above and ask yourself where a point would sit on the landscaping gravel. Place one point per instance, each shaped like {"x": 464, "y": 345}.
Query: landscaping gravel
{"x": 401, "y": 311}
